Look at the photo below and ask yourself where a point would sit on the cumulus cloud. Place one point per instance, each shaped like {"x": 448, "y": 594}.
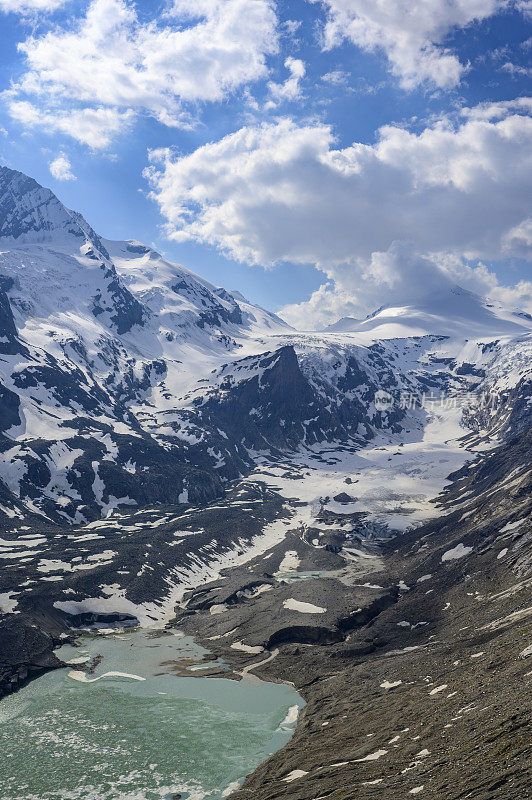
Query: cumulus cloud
{"x": 112, "y": 61}
{"x": 372, "y": 217}
{"x": 291, "y": 88}
{"x": 490, "y": 111}
{"x": 61, "y": 168}
{"x": 283, "y": 192}
{"x": 410, "y": 34}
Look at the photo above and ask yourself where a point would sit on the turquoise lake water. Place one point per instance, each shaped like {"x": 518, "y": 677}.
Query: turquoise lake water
{"x": 121, "y": 738}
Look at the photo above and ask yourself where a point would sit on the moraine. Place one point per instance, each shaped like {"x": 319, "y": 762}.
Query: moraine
{"x": 135, "y": 728}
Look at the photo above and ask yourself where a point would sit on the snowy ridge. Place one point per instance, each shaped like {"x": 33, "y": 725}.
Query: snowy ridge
{"x": 128, "y": 381}
{"x": 452, "y": 312}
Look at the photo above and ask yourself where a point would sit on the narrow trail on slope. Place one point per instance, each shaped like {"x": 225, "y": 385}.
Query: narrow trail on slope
{"x": 246, "y": 671}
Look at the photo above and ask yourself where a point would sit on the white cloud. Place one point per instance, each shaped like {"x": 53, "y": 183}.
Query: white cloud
{"x": 491, "y": 111}
{"x": 282, "y": 191}
{"x": 525, "y": 7}
{"x": 373, "y": 218}
{"x": 113, "y": 61}
{"x": 291, "y": 88}
{"x": 411, "y": 34}
{"x": 337, "y": 77}
{"x": 61, "y": 168}
{"x": 290, "y": 27}
{"x": 29, "y": 6}
{"x": 94, "y": 127}
{"x": 516, "y": 70}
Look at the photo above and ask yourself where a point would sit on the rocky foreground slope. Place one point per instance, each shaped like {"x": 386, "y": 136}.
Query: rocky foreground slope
{"x": 418, "y": 685}
{"x": 347, "y": 510}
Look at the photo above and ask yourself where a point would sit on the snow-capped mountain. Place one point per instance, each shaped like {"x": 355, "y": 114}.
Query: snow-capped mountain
{"x": 90, "y": 333}
{"x": 128, "y": 381}
{"x": 453, "y": 312}
{"x": 168, "y": 451}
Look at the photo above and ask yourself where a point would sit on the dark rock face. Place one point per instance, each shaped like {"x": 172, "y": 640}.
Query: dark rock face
{"x": 303, "y": 634}
{"x": 124, "y": 310}
{"x": 88, "y": 619}
{"x": 9, "y": 409}
{"x": 275, "y": 401}
{"x": 25, "y": 650}
{"x": 9, "y": 341}
{"x": 269, "y": 408}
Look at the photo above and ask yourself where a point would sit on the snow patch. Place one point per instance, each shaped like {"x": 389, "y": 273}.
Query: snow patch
{"x": 304, "y": 608}
{"x": 456, "y": 552}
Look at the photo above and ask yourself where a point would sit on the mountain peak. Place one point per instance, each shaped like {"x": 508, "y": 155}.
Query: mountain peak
{"x": 31, "y": 213}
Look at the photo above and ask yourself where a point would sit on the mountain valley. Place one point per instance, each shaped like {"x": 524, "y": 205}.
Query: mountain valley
{"x": 347, "y": 510}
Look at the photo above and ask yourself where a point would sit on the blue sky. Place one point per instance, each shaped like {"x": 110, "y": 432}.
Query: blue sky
{"x": 376, "y": 132}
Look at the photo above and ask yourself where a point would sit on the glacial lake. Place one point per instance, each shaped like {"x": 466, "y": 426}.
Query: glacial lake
{"x": 72, "y": 736}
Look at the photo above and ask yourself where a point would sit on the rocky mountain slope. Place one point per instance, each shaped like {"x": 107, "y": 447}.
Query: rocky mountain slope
{"x": 364, "y": 492}
{"x": 425, "y": 687}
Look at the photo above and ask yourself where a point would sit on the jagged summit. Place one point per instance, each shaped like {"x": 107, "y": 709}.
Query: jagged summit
{"x": 30, "y": 214}
{"x": 107, "y": 331}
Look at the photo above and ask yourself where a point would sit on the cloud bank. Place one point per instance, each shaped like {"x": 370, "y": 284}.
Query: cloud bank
{"x": 403, "y": 211}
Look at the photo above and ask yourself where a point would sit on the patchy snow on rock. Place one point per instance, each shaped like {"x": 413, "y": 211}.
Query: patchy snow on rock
{"x": 390, "y": 684}
{"x": 289, "y": 563}
{"x": 294, "y": 775}
{"x": 179, "y": 580}
{"x": 438, "y": 689}
{"x": 7, "y": 602}
{"x": 373, "y": 756}
{"x": 511, "y": 526}
{"x": 247, "y": 648}
{"x": 304, "y": 608}
{"x": 456, "y": 552}
{"x": 218, "y": 608}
